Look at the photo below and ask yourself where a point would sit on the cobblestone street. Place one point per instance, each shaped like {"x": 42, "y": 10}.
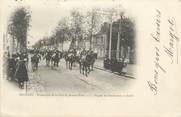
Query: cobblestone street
{"x": 63, "y": 80}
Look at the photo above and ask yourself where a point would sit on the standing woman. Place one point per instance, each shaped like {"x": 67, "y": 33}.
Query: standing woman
{"x": 21, "y": 73}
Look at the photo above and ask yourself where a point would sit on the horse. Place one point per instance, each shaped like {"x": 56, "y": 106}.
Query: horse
{"x": 55, "y": 59}
{"x": 69, "y": 59}
{"x": 93, "y": 57}
{"x": 48, "y": 58}
{"x": 34, "y": 62}
{"x": 86, "y": 63}
{"x": 65, "y": 56}
{"x": 83, "y": 65}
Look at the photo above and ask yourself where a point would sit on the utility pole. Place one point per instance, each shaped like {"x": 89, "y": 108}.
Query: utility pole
{"x": 110, "y": 39}
{"x": 118, "y": 44}
{"x": 92, "y": 22}
{"x": 119, "y": 32}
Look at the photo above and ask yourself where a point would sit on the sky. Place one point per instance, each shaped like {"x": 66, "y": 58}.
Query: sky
{"x": 45, "y": 14}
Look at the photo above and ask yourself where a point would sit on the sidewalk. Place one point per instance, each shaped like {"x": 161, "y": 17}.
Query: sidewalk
{"x": 130, "y": 69}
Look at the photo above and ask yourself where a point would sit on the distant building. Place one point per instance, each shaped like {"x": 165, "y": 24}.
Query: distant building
{"x": 100, "y": 41}
{"x": 121, "y": 41}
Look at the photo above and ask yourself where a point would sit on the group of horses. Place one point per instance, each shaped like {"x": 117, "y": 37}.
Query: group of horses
{"x": 52, "y": 58}
{"x": 85, "y": 59}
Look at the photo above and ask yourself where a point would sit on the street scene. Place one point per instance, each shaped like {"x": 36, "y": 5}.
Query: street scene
{"x": 87, "y": 51}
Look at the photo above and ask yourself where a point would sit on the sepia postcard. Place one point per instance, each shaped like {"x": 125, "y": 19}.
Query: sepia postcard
{"x": 90, "y": 58}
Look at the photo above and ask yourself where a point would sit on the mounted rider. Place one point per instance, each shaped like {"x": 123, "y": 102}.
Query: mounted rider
{"x": 35, "y": 60}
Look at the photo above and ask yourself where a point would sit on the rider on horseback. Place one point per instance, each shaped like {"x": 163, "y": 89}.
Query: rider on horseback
{"x": 34, "y": 61}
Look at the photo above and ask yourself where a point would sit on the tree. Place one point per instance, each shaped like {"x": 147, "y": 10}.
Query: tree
{"x": 127, "y": 32}
{"x": 63, "y": 30}
{"x": 123, "y": 36}
{"x": 76, "y": 27}
{"x": 93, "y": 23}
{"x": 18, "y": 27}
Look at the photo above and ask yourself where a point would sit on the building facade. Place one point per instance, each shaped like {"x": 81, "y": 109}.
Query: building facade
{"x": 99, "y": 44}
{"x": 100, "y": 41}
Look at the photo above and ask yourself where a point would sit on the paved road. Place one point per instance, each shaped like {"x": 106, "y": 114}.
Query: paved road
{"x": 64, "y": 80}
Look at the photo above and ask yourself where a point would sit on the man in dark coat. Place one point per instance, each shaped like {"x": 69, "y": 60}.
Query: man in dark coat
{"x": 21, "y": 73}
{"x": 11, "y": 68}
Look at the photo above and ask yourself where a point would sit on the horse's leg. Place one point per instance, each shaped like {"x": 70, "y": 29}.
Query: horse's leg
{"x": 51, "y": 64}
{"x": 74, "y": 64}
{"x": 22, "y": 84}
{"x": 19, "y": 83}
{"x": 57, "y": 63}
{"x": 89, "y": 68}
{"x": 32, "y": 66}
{"x": 71, "y": 64}
{"x": 86, "y": 68}
{"x": 67, "y": 64}
{"x": 80, "y": 67}
{"x": 92, "y": 66}
{"x": 83, "y": 67}
{"x": 48, "y": 62}
{"x": 36, "y": 65}
{"x": 54, "y": 63}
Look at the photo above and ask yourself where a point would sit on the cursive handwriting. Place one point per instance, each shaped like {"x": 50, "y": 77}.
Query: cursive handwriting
{"x": 173, "y": 39}
{"x": 157, "y": 60}
{"x": 156, "y": 36}
{"x": 153, "y": 85}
